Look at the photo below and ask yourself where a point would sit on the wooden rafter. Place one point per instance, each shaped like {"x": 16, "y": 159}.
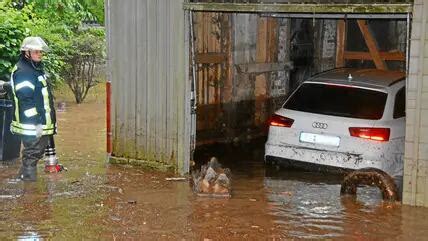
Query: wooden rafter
{"x": 395, "y": 55}
{"x": 371, "y": 44}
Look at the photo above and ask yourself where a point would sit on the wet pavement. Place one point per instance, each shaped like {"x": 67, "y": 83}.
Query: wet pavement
{"x": 94, "y": 200}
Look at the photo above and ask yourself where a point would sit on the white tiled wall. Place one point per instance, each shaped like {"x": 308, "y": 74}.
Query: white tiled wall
{"x": 416, "y": 156}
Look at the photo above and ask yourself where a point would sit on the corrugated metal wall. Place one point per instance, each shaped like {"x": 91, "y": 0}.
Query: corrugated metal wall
{"x": 148, "y": 68}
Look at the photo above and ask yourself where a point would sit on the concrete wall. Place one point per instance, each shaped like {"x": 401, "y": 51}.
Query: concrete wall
{"x": 325, "y": 56}
{"x": 280, "y": 82}
{"x": 416, "y": 153}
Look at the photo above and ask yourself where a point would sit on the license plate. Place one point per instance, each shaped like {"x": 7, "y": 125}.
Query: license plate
{"x": 319, "y": 139}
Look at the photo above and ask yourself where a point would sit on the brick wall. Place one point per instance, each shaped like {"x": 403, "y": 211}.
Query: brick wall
{"x": 415, "y": 189}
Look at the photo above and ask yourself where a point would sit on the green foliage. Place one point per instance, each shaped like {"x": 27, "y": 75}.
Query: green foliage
{"x": 69, "y": 13}
{"x": 58, "y": 36}
{"x": 95, "y": 8}
{"x": 59, "y": 23}
{"x": 87, "y": 54}
{"x": 12, "y": 31}
{"x": 68, "y": 10}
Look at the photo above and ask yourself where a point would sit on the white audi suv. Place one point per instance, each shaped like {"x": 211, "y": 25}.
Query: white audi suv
{"x": 343, "y": 119}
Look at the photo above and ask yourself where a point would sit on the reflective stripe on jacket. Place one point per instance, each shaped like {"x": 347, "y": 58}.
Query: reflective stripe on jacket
{"x": 33, "y": 101}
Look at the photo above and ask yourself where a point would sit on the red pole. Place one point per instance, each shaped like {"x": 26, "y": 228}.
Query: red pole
{"x": 108, "y": 117}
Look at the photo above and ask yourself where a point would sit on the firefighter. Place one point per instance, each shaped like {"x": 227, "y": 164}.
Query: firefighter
{"x": 34, "y": 117}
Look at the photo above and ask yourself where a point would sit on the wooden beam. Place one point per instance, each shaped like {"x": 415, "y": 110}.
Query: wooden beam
{"x": 340, "y": 43}
{"x": 210, "y": 58}
{"x": 396, "y": 55}
{"x": 272, "y": 38}
{"x": 228, "y": 84}
{"x": 262, "y": 40}
{"x": 262, "y": 56}
{"x": 372, "y": 45}
{"x": 260, "y": 68}
{"x": 262, "y": 53}
{"x": 299, "y": 8}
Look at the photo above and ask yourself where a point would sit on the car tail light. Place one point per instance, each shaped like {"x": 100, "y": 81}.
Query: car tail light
{"x": 377, "y": 134}
{"x": 281, "y": 121}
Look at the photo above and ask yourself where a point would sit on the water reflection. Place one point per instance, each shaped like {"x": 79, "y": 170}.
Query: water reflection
{"x": 24, "y": 210}
{"x": 29, "y": 236}
{"x": 127, "y": 203}
{"x": 303, "y": 204}
{"x": 308, "y": 205}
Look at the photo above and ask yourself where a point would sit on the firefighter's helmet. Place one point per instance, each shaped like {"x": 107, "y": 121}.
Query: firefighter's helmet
{"x": 34, "y": 43}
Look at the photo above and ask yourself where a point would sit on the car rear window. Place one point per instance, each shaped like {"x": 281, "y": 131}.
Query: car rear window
{"x": 338, "y": 100}
{"x": 400, "y": 104}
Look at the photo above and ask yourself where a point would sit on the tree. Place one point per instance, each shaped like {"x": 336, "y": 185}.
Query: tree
{"x": 88, "y": 54}
{"x": 90, "y": 10}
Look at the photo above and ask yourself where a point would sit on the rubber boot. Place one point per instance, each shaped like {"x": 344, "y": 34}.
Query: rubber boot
{"x": 28, "y": 174}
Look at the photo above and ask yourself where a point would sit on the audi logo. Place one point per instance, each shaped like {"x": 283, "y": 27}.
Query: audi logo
{"x": 319, "y": 125}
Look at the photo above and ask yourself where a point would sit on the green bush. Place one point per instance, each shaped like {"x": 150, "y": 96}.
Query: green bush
{"x": 12, "y": 31}
{"x": 87, "y": 54}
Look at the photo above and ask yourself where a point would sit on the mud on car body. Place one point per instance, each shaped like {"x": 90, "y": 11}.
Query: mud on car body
{"x": 343, "y": 119}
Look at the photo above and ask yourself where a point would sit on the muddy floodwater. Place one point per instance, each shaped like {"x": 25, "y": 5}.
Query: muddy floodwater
{"x": 97, "y": 201}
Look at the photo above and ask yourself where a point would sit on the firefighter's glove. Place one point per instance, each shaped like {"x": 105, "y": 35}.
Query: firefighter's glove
{"x": 39, "y": 131}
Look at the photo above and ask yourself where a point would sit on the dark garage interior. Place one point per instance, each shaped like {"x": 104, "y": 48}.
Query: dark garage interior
{"x": 247, "y": 64}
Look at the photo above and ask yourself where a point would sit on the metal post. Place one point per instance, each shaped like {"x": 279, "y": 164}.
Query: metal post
{"x": 108, "y": 119}
{"x": 407, "y": 48}
{"x": 193, "y": 97}
{"x": 109, "y": 134}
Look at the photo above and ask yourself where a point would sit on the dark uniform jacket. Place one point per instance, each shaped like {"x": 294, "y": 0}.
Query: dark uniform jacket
{"x": 33, "y": 100}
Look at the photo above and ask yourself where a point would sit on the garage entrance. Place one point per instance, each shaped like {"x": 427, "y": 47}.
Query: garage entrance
{"x": 247, "y": 58}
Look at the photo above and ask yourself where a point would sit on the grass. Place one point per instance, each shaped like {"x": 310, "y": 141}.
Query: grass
{"x": 63, "y": 93}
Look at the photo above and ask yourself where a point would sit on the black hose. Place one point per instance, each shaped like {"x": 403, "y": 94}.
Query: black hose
{"x": 371, "y": 177}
